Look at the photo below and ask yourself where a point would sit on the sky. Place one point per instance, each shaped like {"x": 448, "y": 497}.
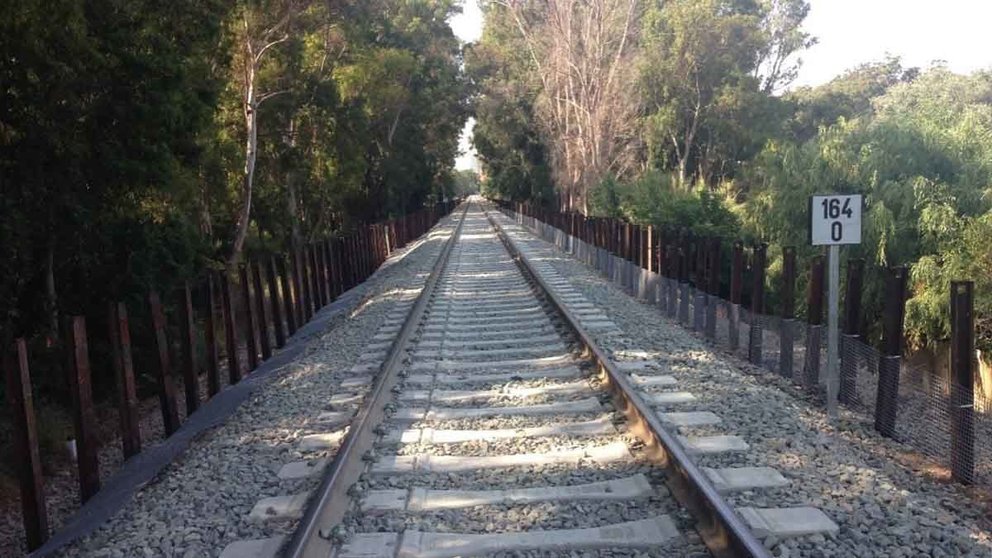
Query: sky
{"x": 850, "y": 32}
{"x": 919, "y": 31}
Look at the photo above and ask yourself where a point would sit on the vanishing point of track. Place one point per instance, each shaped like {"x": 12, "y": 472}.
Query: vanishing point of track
{"x": 494, "y": 395}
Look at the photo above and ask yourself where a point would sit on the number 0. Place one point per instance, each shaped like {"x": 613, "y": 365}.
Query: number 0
{"x": 836, "y": 231}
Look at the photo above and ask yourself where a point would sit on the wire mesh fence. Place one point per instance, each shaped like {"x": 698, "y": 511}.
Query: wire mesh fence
{"x": 913, "y": 404}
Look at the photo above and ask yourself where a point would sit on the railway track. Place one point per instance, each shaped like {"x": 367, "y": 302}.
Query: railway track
{"x": 485, "y": 420}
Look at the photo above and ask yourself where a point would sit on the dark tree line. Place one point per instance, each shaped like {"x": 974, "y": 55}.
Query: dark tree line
{"x": 144, "y": 142}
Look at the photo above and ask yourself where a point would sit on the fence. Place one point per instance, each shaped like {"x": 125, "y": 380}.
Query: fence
{"x": 242, "y": 319}
{"x": 683, "y": 276}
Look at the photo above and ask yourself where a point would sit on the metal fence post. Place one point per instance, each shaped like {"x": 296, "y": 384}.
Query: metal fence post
{"x": 288, "y": 303}
{"x": 736, "y": 290}
{"x": 849, "y": 358}
{"x": 81, "y": 389}
{"x": 714, "y": 287}
{"x": 316, "y": 284}
{"x": 263, "y": 320}
{"x": 887, "y": 396}
{"x": 321, "y": 267}
{"x": 210, "y": 339}
{"x": 325, "y": 248}
{"x": 659, "y": 265}
{"x": 756, "y": 337}
{"x": 166, "y": 387}
{"x": 123, "y": 363}
{"x": 333, "y": 266}
{"x": 672, "y": 267}
{"x": 814, "y": 331}
{"x": 684, "y": 262}
{"x": 191, "y": 384}
{"x": 699, "y": 284}
{"x": 277, "y": 324}
{"x": 251, "y": 340}
{"x": 787, "y": 330}
{"x": 27, "y": 458}
{"x": 962, "y": 381}
{"x": 301, "y": 298}
{"x": 230, "y": 333}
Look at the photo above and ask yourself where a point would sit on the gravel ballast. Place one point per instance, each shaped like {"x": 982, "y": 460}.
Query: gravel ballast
{"x": 481, "y": 268}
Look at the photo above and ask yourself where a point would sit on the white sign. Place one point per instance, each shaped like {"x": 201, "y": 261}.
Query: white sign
{"x": 835, "y": 220}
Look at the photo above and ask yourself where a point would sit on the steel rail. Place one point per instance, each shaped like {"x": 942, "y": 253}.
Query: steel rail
{"x": 723, "y": 532}
{"x": 313, "y": 536}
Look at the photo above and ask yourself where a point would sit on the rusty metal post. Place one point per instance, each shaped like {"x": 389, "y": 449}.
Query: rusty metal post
{"x": 230, "y": 331}
{"x": 302, "y": 300}
{"x": 849, "y": 356}
{"x": 81, "y": 389}
{"x": 713, "y": 289}
{"x": 887, "y": 394}
{"x": 27, "y": 459}
{"x": 321, "y": 269}
{"x": 210, "y": 339}
{"x": 685, "y": 261}
{"x": 334, "y": 264}
{"x": 665, "y": 269}
{"x": 191, "y": 383}
{"x": 736, "y": 290}
{"x": 166, "y": 387}
{"x": 673, "y": 279}
{"x": 319, "y": 283}
{"x": 787, "y": 331}
{"x": 814, "y": 329}
{"x": 963, "y": 381}
{"x": 334, "y": 259}
{"x": 311, "y": 277}
{"x": 287, "y": 296}
{"x": 251, "y": 339}
{"x": 277, "y": 323}
{"x": 263, "y": 318}
{"x": 123, "y": 363}
{"x": 756, "y": 336}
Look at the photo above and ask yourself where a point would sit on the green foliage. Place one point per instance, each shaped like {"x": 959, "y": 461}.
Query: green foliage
{"x": 658, "y": 199}
{"x": 466, "y": 182}
{"x": 104, "y": 107}
{"x": 920, "y": 156}
{"x": 123, "y": 142}
{"x": 847, "y": 96}
{"x": 512, "y": 151}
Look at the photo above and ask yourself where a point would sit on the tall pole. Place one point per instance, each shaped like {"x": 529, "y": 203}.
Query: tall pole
{"x": 833, "y": 361}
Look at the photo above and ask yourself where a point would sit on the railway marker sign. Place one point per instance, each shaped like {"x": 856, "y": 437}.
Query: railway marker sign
{"x": 834, "y": 220}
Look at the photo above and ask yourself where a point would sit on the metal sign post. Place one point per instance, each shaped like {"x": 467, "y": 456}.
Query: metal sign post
{"x": 834, "y": 220}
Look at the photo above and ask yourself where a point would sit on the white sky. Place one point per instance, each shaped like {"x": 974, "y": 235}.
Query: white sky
{"x": 851, "y": 32}
{"x": 919, "y": 31}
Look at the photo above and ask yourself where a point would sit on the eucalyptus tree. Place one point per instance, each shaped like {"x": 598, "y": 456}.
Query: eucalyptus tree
{"x": 581, "y": 52}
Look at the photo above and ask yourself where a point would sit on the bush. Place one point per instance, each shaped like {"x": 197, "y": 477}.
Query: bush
{"x": 657, "y": 199}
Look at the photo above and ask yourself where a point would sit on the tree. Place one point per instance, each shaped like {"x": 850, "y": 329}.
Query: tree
{"x": 103, "y": 113}
{"x": 781, "y": 23}
{"x": 511, "y": 149}
{"x": 263, "y": 25}
{"x": 697, "y": 73}
{"x": 582, "y": 52}
{"x": 847, "y": 96}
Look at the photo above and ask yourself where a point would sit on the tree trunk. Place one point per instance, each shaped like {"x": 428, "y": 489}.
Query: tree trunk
{"x": 292, "y": 202}
{"x": 248, "y": 178}
{"x": 51, "y": 296}
{"x": 206, "y": 223}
